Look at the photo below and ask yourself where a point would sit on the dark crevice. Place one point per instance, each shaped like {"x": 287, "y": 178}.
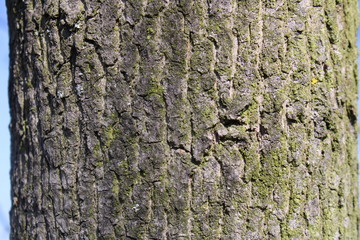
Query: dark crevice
{"x": 230, "y": 122}
{"x": 126, "y": 76}
{"x": 213, "y": 40}
{"x": 194, "y": 160}
{"x": 235, "y": 140}
{"x": 210, "y": 14}
{"x": 92, "y": 42}
{"x": 73, "y": 54}
{"x": 351, "y": 115}
{"x": 291, "y": 121}
{"x": 131, "y": 238}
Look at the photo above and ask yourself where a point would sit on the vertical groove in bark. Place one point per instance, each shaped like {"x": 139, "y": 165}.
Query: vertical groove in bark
{"x": 140, "y": 119}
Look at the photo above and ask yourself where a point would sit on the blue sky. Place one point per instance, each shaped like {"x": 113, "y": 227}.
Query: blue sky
{"x": 5, "y": 202}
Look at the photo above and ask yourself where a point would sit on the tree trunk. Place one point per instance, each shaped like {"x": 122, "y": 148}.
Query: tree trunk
{"x": 176, "y": 119}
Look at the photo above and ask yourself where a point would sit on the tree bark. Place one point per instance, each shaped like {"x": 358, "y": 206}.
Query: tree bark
{"x": 176, "y": 119}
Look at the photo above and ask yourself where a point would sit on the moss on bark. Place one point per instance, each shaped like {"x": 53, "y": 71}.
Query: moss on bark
{"x": 183, "y": 119}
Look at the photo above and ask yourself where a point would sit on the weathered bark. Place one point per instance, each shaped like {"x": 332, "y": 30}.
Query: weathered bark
{"x": 177, "y": 119}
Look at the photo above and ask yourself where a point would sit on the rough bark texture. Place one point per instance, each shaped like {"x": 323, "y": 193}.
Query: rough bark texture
{"x": 179, "y": 119}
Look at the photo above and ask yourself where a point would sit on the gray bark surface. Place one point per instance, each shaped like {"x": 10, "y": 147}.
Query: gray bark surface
{"x": 176, "y": 119}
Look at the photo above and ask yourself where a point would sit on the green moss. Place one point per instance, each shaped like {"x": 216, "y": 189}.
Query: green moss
{"x": 90, "y": 67}
{"x": 115, "y": 186}
{"x": 150, "y": 31}
{"x": 252, "y": 161}
{"x": 184, "y": 118}
{"x": 155, "y": 87}
{"x": 251, "y": 114}
{"x": 99, "y": 163}
{"x": 208, "y": 113}
{"x": 318, "y": 3}
{"x": 92, "y": 236}
{"x": 97, "y": 151}
{"x": 110, "y": 133}
{"x": 124, "y": 166}
{"x": 82, "y": 7}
